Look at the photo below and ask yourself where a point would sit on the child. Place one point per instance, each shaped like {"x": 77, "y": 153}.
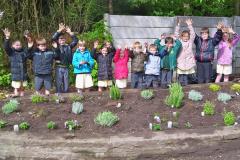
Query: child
{"x": 109, "y": 46}
{"x": 169, "y": 62}
{"x": 224, "y": 56}
{"x": 65, "y": 57}
{"x": 152, "y": 70}
{"x": 121, "y": 67}
{"x": 104, "y": 59}
{"x": 186, "y": 60}
{"x": 137, "y": 65}
{"x": 18, "y": 58}
{"x": 82, "y": 64}
{"x": 42, "y": 59}
{"x": 205, "y": 52}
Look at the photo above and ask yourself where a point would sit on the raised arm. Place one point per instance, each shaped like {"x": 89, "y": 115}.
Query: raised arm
{"x": 117, "y": 55}
{"x": 218, "y": 35}
{"x": 56, "y": 35}
{"x": 190, "y": 27}
{"x": 157, "y": 42}
{"x": 177, "y": 34}
{"x": 94, "y": 53}
{"x": 6, "y": 43}
{"x": 74, "y": 37}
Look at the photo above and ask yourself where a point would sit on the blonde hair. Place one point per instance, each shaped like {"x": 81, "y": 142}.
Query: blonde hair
{"x": 137, "y": 44}
{"x": 153, "y": 46}
{"x": 41, "y": 41}
{"x": 81, "y": 43}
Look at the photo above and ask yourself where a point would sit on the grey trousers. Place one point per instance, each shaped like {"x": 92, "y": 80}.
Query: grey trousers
{"x": 183, "y": 79}
{"x": 204, "y": 72}
{"x": 151, "y": 80}
{"x": 166, "y": 77}
{"x": 137, "y": 80}
{"x": 62, "y": 79}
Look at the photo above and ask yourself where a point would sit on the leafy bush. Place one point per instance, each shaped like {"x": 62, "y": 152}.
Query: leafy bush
{"x": 195, "y": 95}
{"x": 188, "y": 125}
{"x": 106, "y": 119}
{"x": 176, "y": 95}
{"x": 76, "y": 98}
{"x": 10, "y": 107}
{"x": 214, "y": 87}
{"x": 77, "y": 107}
{"x": 235, "y": 87}
{"x": 5, "y": 80}
{"x": 224, "y": 97}
{"x": 208, "y": 108}
{"x": 3, "y": 124}
{"x": 156, "y": 127}
{"x": 71, "y": 124}
{"x": 38, "y": 99}
{"x": 94, "y": 73}
{"x": 51, "y": 125}
{"x": 229, "y": 118}
{"x": 24, "y": 126}
{"x": 147, "y": 94}
{"x": 115, "y": 93}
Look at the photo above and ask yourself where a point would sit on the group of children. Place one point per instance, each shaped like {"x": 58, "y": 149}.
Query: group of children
{"x": 151, "y": 65}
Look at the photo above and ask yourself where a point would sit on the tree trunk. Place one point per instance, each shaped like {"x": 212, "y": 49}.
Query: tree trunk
{"x": 36, "y": 15}
{"x": 110, "y": 6}
{"x": 237, "y": 5}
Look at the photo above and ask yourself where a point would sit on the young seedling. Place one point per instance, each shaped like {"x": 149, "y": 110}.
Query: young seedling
{"x": 3, "y": 124}
{"x": 24, "y": 125}
{"x": 51, "y": 125}
{"x": 188, "y": 125}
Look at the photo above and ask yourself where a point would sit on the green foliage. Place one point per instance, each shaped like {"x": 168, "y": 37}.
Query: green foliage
{"x": 188, "y": 125}
{"x": 71, "y": 124}
{"x": 214, "y": 87}
{"x": 229, "y": 118}
{"x": 38, "y": 99}
{"x": 115, "y": 93}
{"x": 224, "y": 97}
{"x": 94, "y": 73}
{"x": 156, "y": 127}
{"x": 10, "y": 107}
{"x": 195, "y": 95}
{"x": 106, "y": 119}
{"x": 77, "y": 107}
{"x": 208, "y": 108}
{"x": 76, "y": 98}
{"x": 176, "y": 95}
{"x": 235, "y": 87}
{"x": 147, "y": 94}
{"x": 5, "y": 80}
{"x": 3, "y": 124}
{"x": 24, "y": 125}
{"x": 51, "y": 125}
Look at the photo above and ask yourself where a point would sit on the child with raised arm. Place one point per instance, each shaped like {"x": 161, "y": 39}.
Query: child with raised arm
{"x": 137, "y": 65}
{"x": 82, "y": 64}
{"x": 65, "y": 57}
{"x": 121, "y": 67}
{"x": 225, "y": 53}
{"x": 185, "y": 60}
{"x": 104, "y": 59}
{"x": 18, "y": 62}
{"x": 204, "y": 56}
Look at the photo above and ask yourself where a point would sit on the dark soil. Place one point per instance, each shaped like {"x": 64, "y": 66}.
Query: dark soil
{"x": 135, "y": 113}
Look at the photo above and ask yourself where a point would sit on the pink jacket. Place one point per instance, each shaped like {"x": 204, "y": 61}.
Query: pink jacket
{"x": 186, "y": 59}
{"x": 224, "y": 56}
{"x": 121, "y": 64}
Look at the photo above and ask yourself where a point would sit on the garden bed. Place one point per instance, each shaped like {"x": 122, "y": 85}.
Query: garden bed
{"x": 135, "y": 113}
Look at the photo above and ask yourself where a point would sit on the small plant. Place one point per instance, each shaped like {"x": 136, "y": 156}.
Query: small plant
{"x": 106, "y": 119}
{"x": 188, "y": 125}
{"x": 76, "y": 98}
{"x": 235, "y": 87}
{"x": 3, "y": 124}
{"x": 71, "y": 124}
{"x": 156, "y": 127}
{"x": 24, "y": 125}
{"x": 176, "y": 96}
{"x": 224, "y": 97}
{"x": 38, "y": 99}
{"x": 208, "y": 108}
{"x": 214, "y": 87}
{"x": 147, "y": 94}
{"x": 51, "y": 125}
{"x": 57, "y": 99}
{"x": 77, "y": 107}
{"x": 115, "y": 93}
{"x": 10, "y": 107}
{"x": 229, "y": 118}
{"x": 195, "y": 95}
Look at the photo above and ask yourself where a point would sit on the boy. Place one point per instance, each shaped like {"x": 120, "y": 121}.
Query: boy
{"x": 205, "y": 46}
{"x": 65, "y": 57}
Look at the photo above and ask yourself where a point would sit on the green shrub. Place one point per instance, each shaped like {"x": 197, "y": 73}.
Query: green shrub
{"x": 195, "y": 95}
{"x": 208, "y": 108}
{"x": 235, "y": 87}
{"x": 229, "y": 118}
{"x": 214, "y": 87}
{"x": 76, "y": 98}
{"x": 3, "y": 124}
{"x": 51, "y": 125}
{"x": 94, "y": 73}
{"x": 156, "y": 127}
{"x": 176, "y": 95}
{"x": 71, "y": 124}
{"x": 115, "y": 93}
{"x": 147, "y": 94}
{"x": 188, "y": 125}
{"x": 10, "y": 107}
{"x": 24, "y": 126}
{"x": 5, "y": 80}
{"x": 106, "y": 119}
{"x": 38, "y": 99}
{"x": 224, "y": 97}
{"x": 77, "y": 107}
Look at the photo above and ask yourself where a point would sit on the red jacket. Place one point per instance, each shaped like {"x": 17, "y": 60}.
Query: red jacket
{"x": 121, "y": 64}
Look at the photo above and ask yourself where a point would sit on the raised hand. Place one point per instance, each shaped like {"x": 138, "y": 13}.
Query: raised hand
{"x": 163, "y": 36}
{"x": 95, "y": 45}
{"x": 61, "y": 27}
{"x": 230, "y": 30}
{"x": 68, "y": 30}
{"x": 126, "y": 46}
{"x": 179, "y": 21}
{"x": 220, "y": 25}
{"x": 7, "y": 33}
{"x": 119, "y": 47}
{"x": 189, "y": 22}
{"x": 54, "y": 44}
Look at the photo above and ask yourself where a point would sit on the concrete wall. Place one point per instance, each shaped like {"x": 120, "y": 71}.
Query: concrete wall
{"x": 128, "y": 29}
